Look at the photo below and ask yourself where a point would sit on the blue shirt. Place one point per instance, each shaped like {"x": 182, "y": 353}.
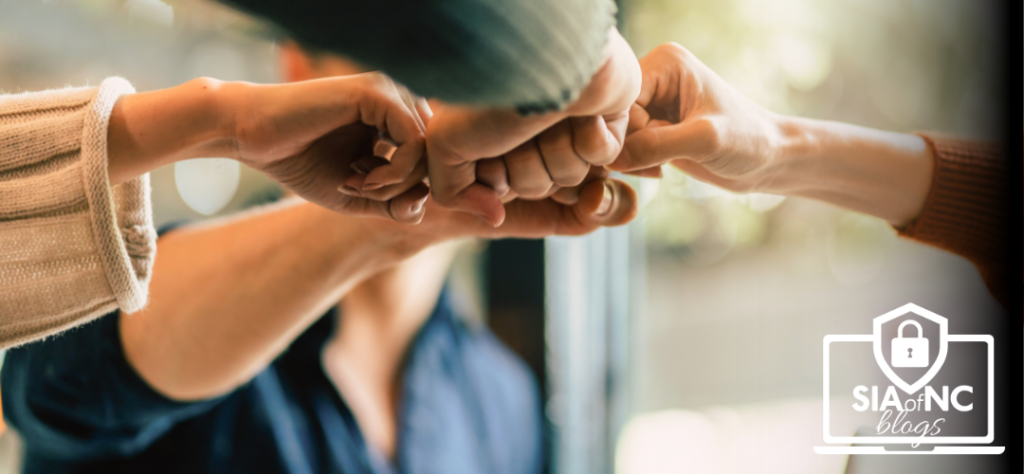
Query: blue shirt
{"x": 468, "y": 406}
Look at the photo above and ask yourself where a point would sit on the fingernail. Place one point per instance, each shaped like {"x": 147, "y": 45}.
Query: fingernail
{"x": 606, "y": 199}
{"x": 372, "y": 186}
{"x": 360, "y": 167}
{"x": 484, "y": 219}
{"x": 346, "y": 189}
{"x": 415, "y": 209}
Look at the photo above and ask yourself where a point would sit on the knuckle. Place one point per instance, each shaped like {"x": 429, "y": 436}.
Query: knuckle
{"x": 710, "y": 134}
{"x": 558, "y": 136}
{"x": 530, "y": 190}
{"x": 517, "y": 157}
{"x": 568, "y": 179}
{"x": 590, "y": 148}
{"x": 674, "y": 49}
{"x": 376, "y": 79}
{"x": 603, "y": 155}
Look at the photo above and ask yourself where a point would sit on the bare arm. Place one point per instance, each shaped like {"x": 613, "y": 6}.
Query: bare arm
{"x": 304, "y": 135}
{"x": 227, "y": 297}
{"x": 688, "y": 116}
{"x": 879, "y": 173}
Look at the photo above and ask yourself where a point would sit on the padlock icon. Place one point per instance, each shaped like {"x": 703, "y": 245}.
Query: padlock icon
{"x": 910, "y": 352}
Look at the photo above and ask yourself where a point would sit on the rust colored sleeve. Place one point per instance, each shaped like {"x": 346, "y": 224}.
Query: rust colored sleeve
{"x": 966, "y": 209}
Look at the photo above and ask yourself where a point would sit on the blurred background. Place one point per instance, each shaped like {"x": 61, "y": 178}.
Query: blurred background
{"x": 726, "y": 357}
{"x": 711, "y": 351}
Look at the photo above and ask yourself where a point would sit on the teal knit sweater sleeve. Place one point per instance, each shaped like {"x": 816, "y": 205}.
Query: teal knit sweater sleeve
{"x": 534, "y": 55}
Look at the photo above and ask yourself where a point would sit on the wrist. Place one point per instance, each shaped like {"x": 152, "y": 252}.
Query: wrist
{"x": 882, "y": 174}
{"x": 214, "y": 110}
{"x": 151, "y": 129}
{"x": 795, "y": 157}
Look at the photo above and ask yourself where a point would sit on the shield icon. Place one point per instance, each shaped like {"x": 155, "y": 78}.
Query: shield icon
{"x": 887, "y": 338}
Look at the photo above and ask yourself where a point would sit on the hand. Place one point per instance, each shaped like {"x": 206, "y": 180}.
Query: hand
{"x": 688, "y": 116}
{"x": 598, "y": 202}
{"x": 314, "y": 137}
{"x": 531, "y": 156}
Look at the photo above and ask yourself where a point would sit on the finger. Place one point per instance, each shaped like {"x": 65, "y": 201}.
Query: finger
{"x": 424, "y": 110}
{"x": 492, "y": 172}
{"x": 351, "y": 205}
{"x": 564, "y": 166}
{"x": 484, "y": 202}
{"x": 408, "y": 207}
{"x": 655, "y": 146}
{"x": 593, "y": 141}
{"x": 394, "y": 112}
{"x": 527, "y": 174}
{"x": 638, "y": 118}
{"x": 568, "y": 196}
{"x": 509, "y": 196}
{"x": 357, "y": 181}
{"x": 414, "y": 105}
{"x": 603, "y": 202}
{"x": 649, "y": 82}
{"x": 454, "y": 186}
{"x": 652, "y": 172}
{"x": 366, "y": 164}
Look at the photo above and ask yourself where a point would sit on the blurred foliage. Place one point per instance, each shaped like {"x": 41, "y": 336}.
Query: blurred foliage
{"x": 899, "y": 65}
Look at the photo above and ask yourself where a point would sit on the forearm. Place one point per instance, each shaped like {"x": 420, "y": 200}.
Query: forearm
{"x": 148, "y": 130}
{"x": 406, "y": 291}
{"x": 226, "y": 298}
{"x": 883, "y": 174}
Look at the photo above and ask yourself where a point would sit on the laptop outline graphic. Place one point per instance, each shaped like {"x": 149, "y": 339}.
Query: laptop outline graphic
{"x": 845, "y": 444}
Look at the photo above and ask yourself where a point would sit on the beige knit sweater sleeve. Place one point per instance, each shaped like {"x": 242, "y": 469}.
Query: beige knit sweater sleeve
{"x": 72, "y": 248}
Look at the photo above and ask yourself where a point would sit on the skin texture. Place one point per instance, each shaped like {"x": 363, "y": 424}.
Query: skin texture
{"x": 310, "y": 136}
{"x": 689, "y": 117}
{"x": 478, "y": 157}
{"x": 305, "y": 136}
{"x": 196, "y": 341}
{"x": 259, "y": 294}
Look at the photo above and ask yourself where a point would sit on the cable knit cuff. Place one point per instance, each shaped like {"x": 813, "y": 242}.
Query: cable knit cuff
{"x": 72, "y": 248}
{"x": 966, "y": 209}
{"x": 122, "y": 219}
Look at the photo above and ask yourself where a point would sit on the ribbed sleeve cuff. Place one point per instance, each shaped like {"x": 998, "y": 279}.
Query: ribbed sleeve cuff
{"x": 966, "y": 209}
{"x": 122, "y": 221}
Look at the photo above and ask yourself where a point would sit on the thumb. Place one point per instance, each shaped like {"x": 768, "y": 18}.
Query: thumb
{"x": 407, "y": 207}
{"x": 657, "y": 145}
{"x": 605, "y": 203}
{"x": 649, "y": 83}
{"x": 602, "y": 203}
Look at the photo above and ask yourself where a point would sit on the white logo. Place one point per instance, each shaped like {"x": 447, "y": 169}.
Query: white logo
{"x": 902, "y": 348}
{"x": 916, "y": 405}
